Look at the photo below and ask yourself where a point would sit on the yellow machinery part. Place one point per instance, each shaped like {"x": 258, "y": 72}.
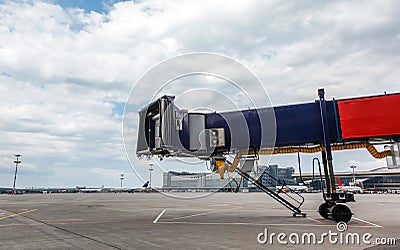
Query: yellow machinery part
{"x": 289, "y": 150}
{"x": 220, "y": 167}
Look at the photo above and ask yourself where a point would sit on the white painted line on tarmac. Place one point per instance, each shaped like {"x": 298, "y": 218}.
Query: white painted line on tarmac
{"x": 320, "y": 222}
{"x": 253, "y": 224}
{"x": 194, "y": 215}
{"x": 373, "y": 224}
{"x": 159, "y": 216}
{"x": 150, "y": 243}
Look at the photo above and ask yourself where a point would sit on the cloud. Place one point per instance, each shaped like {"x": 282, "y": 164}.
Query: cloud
{"x": 109, "y": 173}
{"x": 65, "y": 71}
{"x": 367, "y": 164}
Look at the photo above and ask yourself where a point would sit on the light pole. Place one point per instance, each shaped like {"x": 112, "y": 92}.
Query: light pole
{"x": 354, "y": 175}
{"x": 150, "y": 170}
{"x": 121, "y": 177}
{"x": 16, "y": 170}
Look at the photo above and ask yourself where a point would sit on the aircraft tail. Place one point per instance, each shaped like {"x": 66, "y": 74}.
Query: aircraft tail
{"x": 339, "y": 182}
{"x": 146, "y": 184}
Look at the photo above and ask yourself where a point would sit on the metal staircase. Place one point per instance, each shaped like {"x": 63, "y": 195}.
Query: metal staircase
{"x": 289, "y": 202}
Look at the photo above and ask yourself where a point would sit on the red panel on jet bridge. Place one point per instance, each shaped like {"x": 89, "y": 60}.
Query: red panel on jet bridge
{"x": 370, "y": 117}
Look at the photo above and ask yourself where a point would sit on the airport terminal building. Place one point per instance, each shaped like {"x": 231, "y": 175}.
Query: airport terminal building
{"x": 269, "y": 175}
{"x": 187, "y": 181}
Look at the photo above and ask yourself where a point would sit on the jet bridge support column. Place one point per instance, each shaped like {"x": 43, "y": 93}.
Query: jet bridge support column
{"x": 330, "y": 209}
{"x": 326, "y": 173}
{"x": 326, "y": 143}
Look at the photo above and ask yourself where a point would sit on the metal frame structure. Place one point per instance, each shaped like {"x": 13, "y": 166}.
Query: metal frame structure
{"x": 321, "y": 126}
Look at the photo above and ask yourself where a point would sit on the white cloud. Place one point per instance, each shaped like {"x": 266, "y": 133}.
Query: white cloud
{"x": 364, "y": 165}
{"x": 63, "y": 70}
{"x": 109, "y": 173}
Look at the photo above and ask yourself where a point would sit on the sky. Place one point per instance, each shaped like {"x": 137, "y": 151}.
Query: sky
{"x": 67, "y": 69}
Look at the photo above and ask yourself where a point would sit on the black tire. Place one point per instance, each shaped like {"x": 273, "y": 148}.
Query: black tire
{"x": 323, "y": 210}
{"x": 341, "y": 213}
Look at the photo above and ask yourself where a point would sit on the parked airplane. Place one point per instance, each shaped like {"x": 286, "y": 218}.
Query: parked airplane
{"x": 120, "y": 190}
{"x": 348, "y": 188}
{"x": 144, "y": 188}
{"x": 89, "y": 190}
{"x": 131, "y": 190}
{"x": 5, "y": 190}
{"x": 291, "y": 188}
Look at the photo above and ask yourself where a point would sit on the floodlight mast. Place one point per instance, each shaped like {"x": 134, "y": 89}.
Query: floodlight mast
{"x": 354, "y": 174}
{"x": 16, "y": 170}
{"x": 150, "y": 170}
{"x": 121, "y": 177}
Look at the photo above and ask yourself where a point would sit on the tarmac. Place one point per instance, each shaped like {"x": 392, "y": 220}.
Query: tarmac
{"x": 215, "y": 221}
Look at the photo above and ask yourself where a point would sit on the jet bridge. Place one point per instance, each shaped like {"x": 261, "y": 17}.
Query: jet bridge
{"x": 320, "y": 126}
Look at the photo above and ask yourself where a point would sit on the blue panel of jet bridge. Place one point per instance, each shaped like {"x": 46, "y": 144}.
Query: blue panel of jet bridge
{"x": 246, "y": 124}
{"x": 295, "y": 125}
{"x": 300, "y": 124}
